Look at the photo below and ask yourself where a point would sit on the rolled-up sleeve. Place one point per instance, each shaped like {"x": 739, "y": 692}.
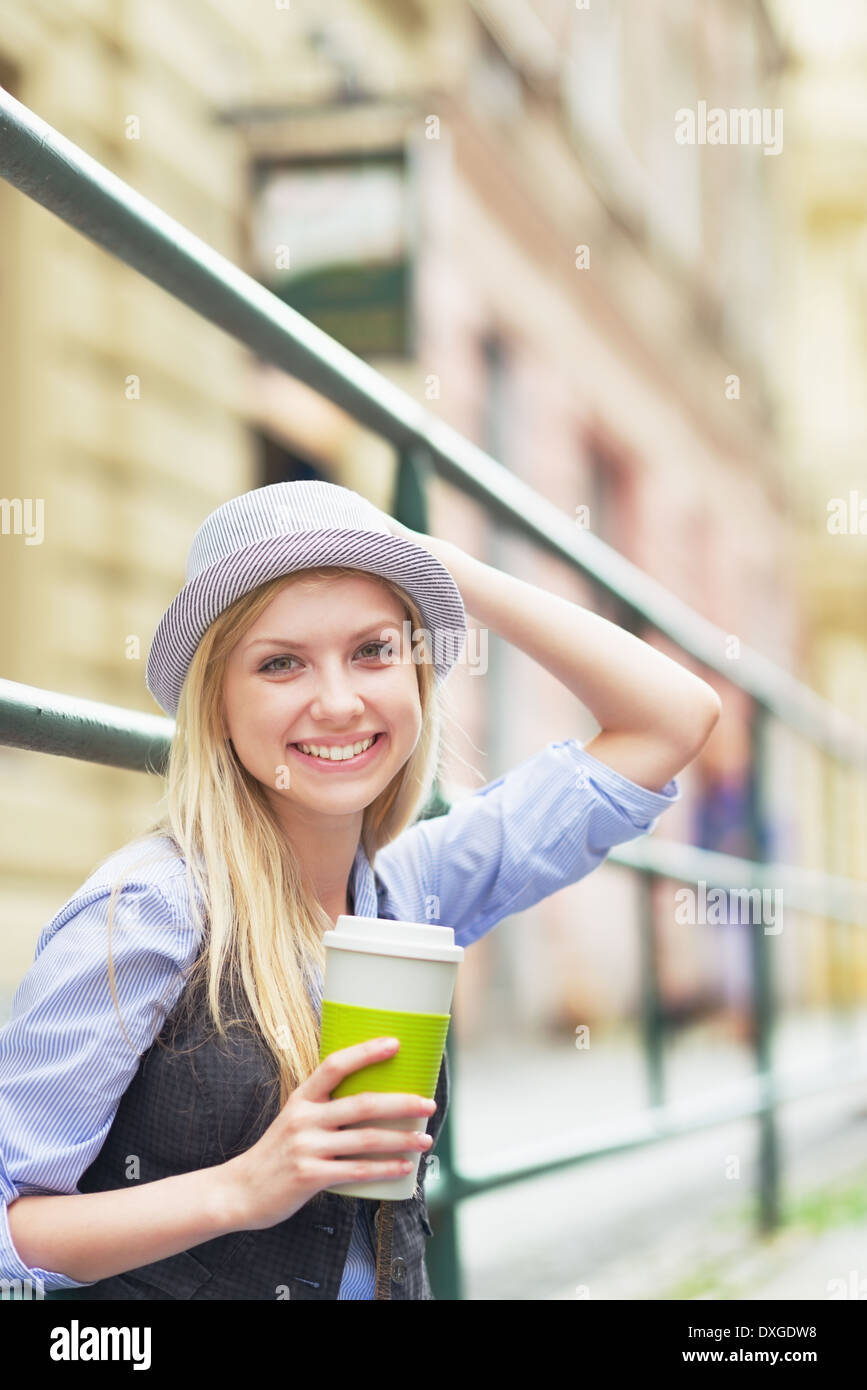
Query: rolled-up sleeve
{"x": 64, "y": 1060}
{"x": 543, "y": 825}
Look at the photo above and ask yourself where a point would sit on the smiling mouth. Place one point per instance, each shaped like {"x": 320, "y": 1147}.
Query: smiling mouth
{"x": 327, "y": 760}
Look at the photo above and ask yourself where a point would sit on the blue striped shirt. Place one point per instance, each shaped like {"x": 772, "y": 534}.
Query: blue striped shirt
{"x": 64, "y": 1063}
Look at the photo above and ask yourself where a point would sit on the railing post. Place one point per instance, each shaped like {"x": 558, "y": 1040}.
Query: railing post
{"x": 651, "y": 1010}
{"x": 443, "y": 1259}
{"x": 410, "y": 490}
{"x": 409, "y": 507}
{"x": 762, "y": 994}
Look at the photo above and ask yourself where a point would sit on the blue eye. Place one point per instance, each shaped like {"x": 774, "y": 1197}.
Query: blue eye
{"x": 269, "y": 665}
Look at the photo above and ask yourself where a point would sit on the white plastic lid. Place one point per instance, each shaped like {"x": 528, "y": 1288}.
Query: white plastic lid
{"x": 379, "y": 936}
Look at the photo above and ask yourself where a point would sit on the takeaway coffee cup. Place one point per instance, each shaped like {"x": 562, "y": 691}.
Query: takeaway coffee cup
{"x": 388, "y": 979}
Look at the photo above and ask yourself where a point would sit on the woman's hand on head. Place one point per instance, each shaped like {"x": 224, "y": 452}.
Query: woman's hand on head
{"x": 444, "y": 551}
{"x": 398, "y": 529}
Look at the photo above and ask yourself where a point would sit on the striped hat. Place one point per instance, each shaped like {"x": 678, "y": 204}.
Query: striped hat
{"x": 285, "y": 527}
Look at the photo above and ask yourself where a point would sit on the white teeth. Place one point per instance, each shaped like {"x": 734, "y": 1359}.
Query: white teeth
{"x": 335, "y": 755}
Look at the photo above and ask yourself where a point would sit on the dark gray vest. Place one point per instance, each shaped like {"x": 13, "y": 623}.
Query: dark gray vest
{"x": 197, "y": 1100}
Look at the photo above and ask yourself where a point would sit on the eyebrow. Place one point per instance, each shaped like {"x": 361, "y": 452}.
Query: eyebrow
{"x": 377, "y": 623}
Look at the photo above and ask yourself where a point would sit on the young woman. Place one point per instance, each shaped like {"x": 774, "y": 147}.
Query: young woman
{"x": 166, "y": 1129}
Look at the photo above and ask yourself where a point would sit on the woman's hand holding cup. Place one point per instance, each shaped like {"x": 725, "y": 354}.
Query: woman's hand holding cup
{"x": 301, "y": 1151}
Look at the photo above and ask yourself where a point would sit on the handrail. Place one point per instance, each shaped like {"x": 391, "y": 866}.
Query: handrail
{"x": 43, "y": 721}
{"x": 56, "y": 173}
{"x": 741, "y": 1099}
{"x": 71, "y": 727}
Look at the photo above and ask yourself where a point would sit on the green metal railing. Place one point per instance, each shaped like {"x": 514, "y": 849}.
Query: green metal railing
{"x": 40, "y": 162}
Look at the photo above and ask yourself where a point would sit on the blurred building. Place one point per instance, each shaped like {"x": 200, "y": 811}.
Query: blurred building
{"x": 820, "y": 364}
{"x": 487, "y": 201}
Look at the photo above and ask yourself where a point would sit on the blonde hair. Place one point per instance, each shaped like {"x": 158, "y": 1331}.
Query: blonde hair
{"x": 262, "y": 925}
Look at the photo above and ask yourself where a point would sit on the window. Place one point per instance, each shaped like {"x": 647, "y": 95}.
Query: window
{"x": 278, "y": 464}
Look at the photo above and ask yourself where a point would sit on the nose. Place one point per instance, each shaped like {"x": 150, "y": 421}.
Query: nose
{"x": 336, "y": 698}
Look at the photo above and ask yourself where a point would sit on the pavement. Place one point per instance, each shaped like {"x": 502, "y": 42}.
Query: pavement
{"x": 675, "y": 1219}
